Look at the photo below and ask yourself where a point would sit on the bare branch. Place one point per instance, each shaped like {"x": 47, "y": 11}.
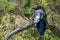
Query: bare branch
{"x": 54, "y": 29}
{"x": 18, "y": 30}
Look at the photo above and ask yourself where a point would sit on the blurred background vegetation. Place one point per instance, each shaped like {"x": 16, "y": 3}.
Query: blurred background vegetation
{"x": 15, "y": 13}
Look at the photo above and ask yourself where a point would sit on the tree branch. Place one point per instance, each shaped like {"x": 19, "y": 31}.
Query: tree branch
{"x": 18, "y": 30}
{"x": 54, "y": 29}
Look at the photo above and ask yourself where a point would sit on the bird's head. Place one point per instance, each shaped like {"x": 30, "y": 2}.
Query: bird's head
{"x": 39, "y": 7}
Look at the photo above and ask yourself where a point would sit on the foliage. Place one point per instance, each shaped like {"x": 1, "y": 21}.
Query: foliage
{"x": 6, "y": 6}
{"x": 8, "y": 21}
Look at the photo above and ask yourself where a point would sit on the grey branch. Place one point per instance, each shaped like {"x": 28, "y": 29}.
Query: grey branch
{"x": 18, "y": 30}
{"x": 54, "y": 29}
